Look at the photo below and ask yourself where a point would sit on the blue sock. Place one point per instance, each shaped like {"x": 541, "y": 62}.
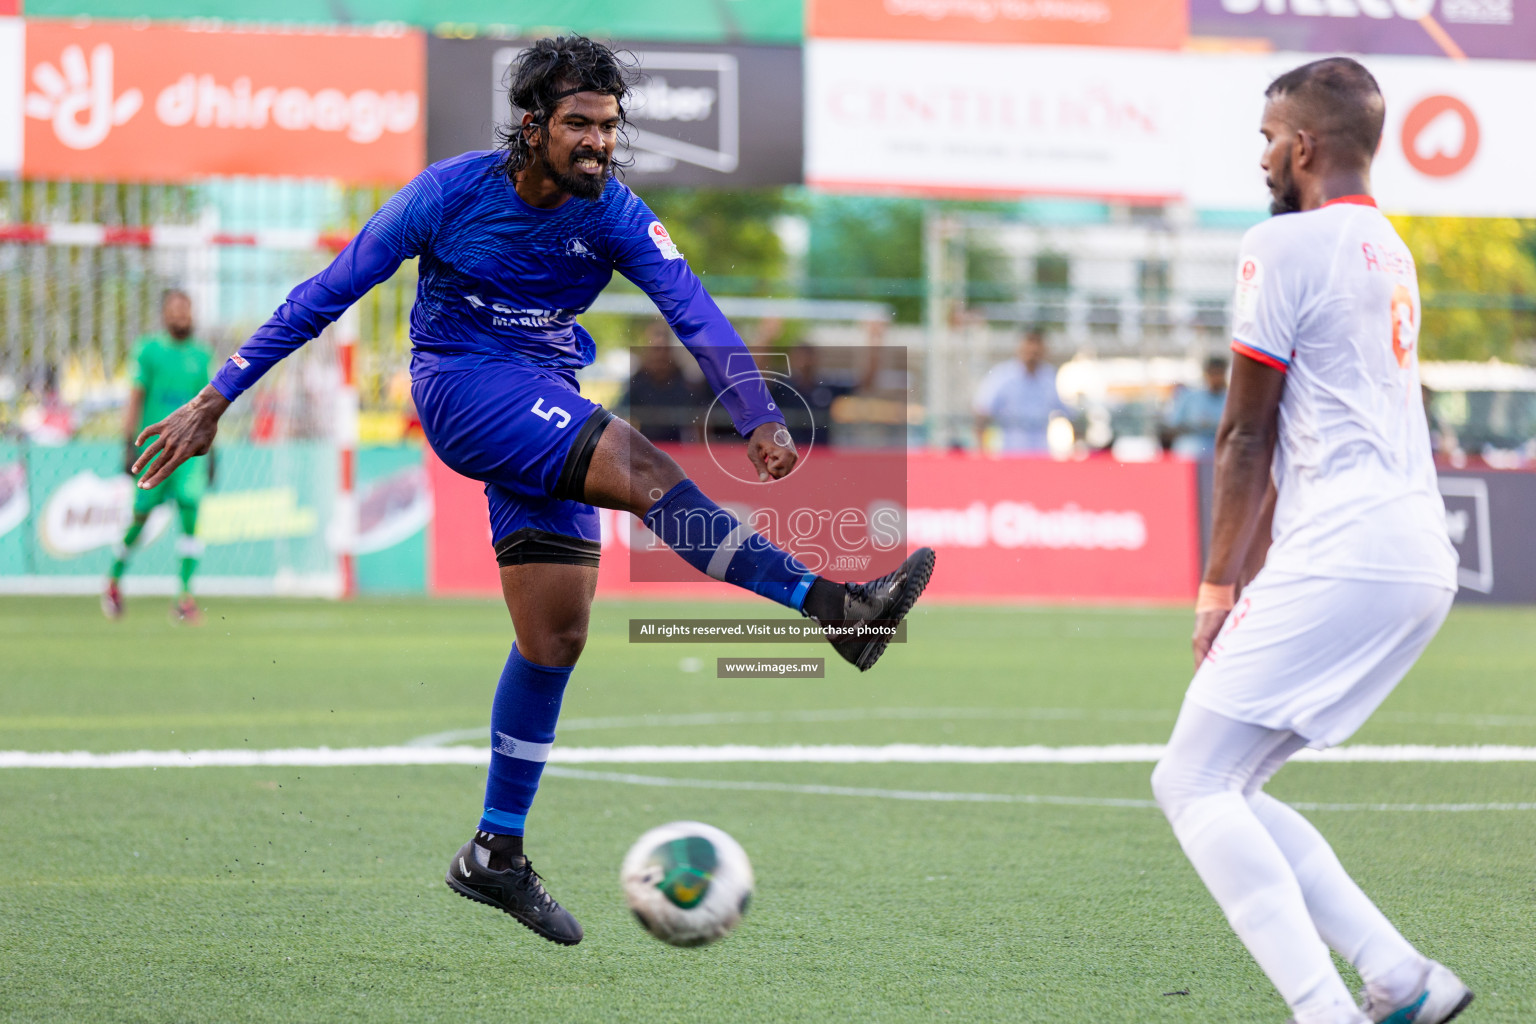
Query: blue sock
{"x": 522, "y": 731}
{"x": 716, "y": 543}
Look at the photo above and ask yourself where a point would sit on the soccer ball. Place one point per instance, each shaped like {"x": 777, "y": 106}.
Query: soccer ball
{"x": 688, "y": 883}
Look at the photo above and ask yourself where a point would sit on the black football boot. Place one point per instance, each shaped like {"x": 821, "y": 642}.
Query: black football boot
{"x": 860, "y": 618}
{"x": 518, "y": 891}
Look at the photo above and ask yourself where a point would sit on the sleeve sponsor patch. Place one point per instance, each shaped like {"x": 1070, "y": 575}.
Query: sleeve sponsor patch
{"x": 239, "y": 361}
{"x": 663, "y": 241}
{"x": 1250, "y": 278}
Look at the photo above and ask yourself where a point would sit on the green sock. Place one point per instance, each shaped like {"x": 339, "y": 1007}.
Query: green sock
{"x": 120, "y": 563}
{"x": 191, "y": 547}
{"x": 188, "y": 567}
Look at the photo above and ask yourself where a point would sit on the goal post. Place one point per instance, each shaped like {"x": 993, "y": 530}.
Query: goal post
{"x": 282, "y": 514}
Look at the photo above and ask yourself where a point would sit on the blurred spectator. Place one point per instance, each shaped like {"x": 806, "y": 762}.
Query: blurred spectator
{"x": 1020, "y": 397}
{"x": 806, "y": 399}
{"x": 661, "y": 403}
{"x": 49, "y": 420}
{"x": 1195, "y": 413}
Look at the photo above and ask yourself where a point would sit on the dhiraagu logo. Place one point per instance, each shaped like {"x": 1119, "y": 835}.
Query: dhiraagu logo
{"x": 77, "y": 96}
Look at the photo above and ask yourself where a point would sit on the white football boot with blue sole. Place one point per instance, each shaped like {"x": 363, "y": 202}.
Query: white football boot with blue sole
{"x": 1441, "y": 997}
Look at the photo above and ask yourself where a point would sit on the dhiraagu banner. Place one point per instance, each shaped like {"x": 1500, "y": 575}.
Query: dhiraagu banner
{"x": 263, "y": 522}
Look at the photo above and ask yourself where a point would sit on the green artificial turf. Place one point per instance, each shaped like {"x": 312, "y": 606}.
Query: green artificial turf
{"x": 292, "y": 894}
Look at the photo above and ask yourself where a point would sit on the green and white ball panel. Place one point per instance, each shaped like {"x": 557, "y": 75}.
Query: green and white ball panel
{"x": 687, "y": 882}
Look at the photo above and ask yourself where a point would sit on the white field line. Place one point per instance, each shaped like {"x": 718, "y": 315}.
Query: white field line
{"x": 708, "y": 718}
{"x": 941, "y": 796}
{"x": 894, "y": 753}
{"x": 478, "y": 734}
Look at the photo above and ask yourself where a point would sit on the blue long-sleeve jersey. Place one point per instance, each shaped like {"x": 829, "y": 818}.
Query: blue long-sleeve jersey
{"x": 500, "y": 279}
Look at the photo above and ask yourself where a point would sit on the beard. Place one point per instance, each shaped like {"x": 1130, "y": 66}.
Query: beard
{"x": 181, "y": 332}
{"x": 1288, "y": 198}
{"x": 582, "y": 186}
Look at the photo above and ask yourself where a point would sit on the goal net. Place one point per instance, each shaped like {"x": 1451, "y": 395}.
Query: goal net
{"x": 84, "y": 271}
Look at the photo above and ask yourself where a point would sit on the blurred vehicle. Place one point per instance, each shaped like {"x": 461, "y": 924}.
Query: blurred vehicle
{"x": 1486, "y": 410}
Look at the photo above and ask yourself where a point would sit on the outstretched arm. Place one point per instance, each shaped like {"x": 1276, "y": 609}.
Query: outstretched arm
{"x": 400, "y": 229}
{"x": 646, "y": 255}
{"x": 1245, "y": 449}
{"x": 184, "y": 434}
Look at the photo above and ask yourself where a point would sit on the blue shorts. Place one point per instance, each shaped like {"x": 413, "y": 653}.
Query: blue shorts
{"x": 524, "y": 432}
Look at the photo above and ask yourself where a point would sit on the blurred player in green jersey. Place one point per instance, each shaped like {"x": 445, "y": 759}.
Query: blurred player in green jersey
{"x": 168, "y": 369}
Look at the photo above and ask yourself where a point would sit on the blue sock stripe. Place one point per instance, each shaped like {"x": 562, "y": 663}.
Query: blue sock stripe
{"x": 797, "y": 598}
{"x": 501, "y": 822}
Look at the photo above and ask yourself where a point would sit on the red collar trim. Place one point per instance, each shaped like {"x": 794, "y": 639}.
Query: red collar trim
{"x": 1352, "y": 200}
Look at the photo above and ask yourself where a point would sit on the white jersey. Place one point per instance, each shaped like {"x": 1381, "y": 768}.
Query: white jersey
{"x": 1331, "y": 297}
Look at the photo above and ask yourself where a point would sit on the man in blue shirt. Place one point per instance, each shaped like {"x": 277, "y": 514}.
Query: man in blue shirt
{"x": 514, "y": 244}
{"x": 1020, "y": 397}
{"x": 1196, "y": 413}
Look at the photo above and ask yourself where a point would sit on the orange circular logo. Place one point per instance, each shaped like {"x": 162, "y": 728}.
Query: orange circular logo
{"x": 1430, "y": 126}
{"x": 1405, "y": 333}
{"x": 1249, "y": 269}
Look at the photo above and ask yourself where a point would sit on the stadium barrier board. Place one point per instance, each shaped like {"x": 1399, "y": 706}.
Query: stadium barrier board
{"x": 1023, "y": 529}
{"x": 1490, "y": 515}
{"x": 1096, "y": 531}
{"x": 267, "y": 523}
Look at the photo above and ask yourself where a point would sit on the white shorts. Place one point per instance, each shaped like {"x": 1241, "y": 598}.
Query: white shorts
{"x": 1314, "y": 655}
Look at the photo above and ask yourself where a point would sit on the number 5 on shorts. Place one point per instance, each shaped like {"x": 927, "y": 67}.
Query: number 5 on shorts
{"x": 553, "y": 411}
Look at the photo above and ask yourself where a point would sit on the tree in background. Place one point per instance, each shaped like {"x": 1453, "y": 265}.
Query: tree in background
{"x": 730, "y": 237}
{"x": 1477, "y": 276}
{"x": 868, "y": 248}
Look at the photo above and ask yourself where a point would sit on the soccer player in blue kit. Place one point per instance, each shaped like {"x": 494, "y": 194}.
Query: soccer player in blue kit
{"x": 514, "y": 243}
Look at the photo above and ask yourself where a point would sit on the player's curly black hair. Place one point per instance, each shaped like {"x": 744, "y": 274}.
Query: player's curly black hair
{"x": 550, "y": 70}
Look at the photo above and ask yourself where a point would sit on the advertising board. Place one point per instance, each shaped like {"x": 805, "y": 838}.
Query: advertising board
{"x": 12, "y": 87}
{"x": 63, "y": 507}
{"x": 130, "y": 101}
{"x": 1146, "y": 24}
{"x": 1503, "y": 29}
{"x": 1456, "y": 140}
{"x": 1491, "y": 516}
{"x": 969, "y": 119}
{"x": 776, "y": 21}
{"x": 1004, "y": 529}
{"x": 701, "y": 115}
{"x": 267, "y": 523}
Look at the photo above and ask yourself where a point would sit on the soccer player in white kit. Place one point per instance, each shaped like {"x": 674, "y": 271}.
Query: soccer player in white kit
{"x": 1324, "y": 433}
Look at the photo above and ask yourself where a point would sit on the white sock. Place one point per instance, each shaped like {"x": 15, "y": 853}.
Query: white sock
{"x": 1345, "y": 917}
{"x": 1242, "y": 866}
